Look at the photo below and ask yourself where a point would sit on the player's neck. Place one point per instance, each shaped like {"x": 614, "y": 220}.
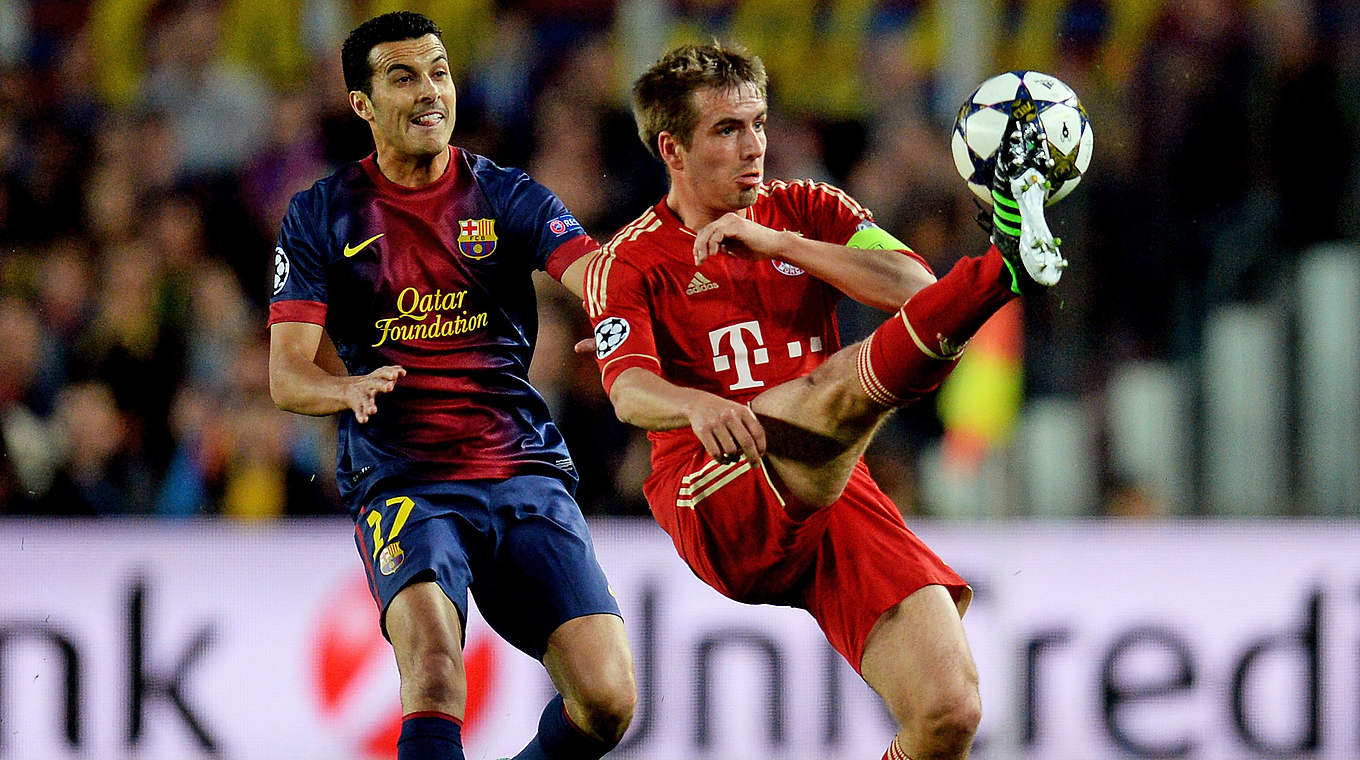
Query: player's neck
{"x": 692, "y": 211}
{"x": 412, "y": 171}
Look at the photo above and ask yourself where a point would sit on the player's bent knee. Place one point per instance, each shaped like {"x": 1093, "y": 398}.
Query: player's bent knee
{"x": 609, "y": 699}
{"x": 434, "y": 677}
{"x": 950, "y": 721}
{"x": 609, "y": 710}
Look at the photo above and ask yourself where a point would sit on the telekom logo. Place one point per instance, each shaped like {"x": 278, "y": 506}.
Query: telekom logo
{"x": 743, "y": 356}
{"x": 350, "y": 658}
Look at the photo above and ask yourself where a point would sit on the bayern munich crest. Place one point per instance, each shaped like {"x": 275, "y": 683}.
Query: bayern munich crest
{"x": 477, "y": 237}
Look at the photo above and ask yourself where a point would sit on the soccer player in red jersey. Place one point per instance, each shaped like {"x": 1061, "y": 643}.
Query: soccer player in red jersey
{"x": 715, "y": 331}
{"x": 416, "y": 261}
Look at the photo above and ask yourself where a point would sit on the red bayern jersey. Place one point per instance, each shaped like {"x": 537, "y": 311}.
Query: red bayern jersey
{"x": 730, "y": 327}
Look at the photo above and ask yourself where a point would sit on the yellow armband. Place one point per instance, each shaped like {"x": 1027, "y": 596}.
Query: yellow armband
{"x": 875, "y": 238}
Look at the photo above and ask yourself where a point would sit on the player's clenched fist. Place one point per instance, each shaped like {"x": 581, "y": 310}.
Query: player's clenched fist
{"x": 362, "y": 395}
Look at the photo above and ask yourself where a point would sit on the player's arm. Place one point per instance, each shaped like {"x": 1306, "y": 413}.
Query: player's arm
{"x": 298, "y": 384}
{"x": 870, "y": 268}
{"x": 728, "y": 430}
{"x": 574, "y": 276}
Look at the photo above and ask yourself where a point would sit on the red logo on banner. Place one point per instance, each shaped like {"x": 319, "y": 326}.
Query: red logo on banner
{"x": 348, "y": 648}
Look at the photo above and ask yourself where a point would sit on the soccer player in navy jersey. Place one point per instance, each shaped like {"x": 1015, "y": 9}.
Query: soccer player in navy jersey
{"x": 715, "y": 330}
{"x": 416, "y": 262}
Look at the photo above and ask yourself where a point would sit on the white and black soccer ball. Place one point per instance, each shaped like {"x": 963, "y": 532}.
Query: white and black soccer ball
{"x": 1026, "y": 95}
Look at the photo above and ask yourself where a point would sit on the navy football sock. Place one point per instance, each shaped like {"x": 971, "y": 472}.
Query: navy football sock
{"x": 430, "y": 736}
{"x": 560, "y": 739}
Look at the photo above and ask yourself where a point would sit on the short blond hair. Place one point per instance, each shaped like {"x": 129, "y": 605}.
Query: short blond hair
{"x": 663, "y": 97}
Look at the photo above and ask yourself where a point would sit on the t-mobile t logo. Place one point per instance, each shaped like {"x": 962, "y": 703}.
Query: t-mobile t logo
{"x": 743, "y": 355}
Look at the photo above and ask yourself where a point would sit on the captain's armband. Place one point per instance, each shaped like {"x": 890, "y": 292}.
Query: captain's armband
{"x": 872, "y": 237}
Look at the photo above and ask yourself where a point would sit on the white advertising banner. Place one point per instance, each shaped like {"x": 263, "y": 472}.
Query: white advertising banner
{"x": 1214, "y": 641}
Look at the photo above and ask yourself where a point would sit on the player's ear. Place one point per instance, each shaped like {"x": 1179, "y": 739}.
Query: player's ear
{"x": 672, "y": 152}
{"x": 361, "y": 104}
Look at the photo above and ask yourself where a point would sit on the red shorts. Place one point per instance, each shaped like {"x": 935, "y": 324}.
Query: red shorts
{"x": 846, "y": 564}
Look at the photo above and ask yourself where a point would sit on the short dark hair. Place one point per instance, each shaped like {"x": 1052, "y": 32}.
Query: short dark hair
{"x": 663, "y": 97}
{"x": 389, "y": 27}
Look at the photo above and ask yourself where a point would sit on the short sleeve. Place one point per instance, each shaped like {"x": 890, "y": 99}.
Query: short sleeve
{"x": 616, "y": 300}
{"x": 839, "y": 218}
{"x": 532, "y": 213}
{"x": 299, "y": 290}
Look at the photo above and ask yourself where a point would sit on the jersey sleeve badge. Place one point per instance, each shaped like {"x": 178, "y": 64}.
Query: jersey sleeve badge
{"x": 564, "y": 224}
{"x": 281, "y": 269}
{"x": 610, "y": 333}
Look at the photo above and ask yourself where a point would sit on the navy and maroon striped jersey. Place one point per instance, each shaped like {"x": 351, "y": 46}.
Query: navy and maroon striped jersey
{"x": 437, "y": 280}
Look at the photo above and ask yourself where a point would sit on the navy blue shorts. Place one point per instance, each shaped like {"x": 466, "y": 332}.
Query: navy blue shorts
{"x": 520, "y": 545}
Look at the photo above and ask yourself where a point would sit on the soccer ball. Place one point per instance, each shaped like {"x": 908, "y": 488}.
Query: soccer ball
{"x": 1026, "y": 95}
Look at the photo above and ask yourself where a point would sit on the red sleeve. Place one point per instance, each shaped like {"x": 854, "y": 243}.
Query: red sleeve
{"x": 297, "y": 311}
{"x": 566, "y": 254}
{"x": 838, "y": 216}
{"x": 616, "y": 299}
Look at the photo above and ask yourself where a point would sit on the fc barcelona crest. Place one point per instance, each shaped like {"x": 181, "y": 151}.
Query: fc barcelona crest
{"x": 390, "y": 559}
{"x": 477, "y": 237}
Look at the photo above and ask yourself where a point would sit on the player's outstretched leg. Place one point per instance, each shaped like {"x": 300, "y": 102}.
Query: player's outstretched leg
{"x": 918, "y": 660}
{"x": 820, "y": 424}
{"x": 912, "y": 354}
{"x": 591, "y": 665}
{"x": 559, "y": 738}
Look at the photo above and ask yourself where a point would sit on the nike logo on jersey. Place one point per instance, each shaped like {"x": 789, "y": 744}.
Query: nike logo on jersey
{"x": 699, "y": 284}
{"x": 351, "y": 250}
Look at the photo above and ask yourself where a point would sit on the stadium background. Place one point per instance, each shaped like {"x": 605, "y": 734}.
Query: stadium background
{"x": 1198, "y": 373}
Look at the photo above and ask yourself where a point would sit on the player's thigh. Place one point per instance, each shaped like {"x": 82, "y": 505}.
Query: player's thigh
{"x": 415, "y": 533}
{"x": 867, "y": 563}
{"x": 817, "y": 427}
{"x": 590, "y": 661}
{"x": 829, "y": 401}
{"x": 917, "y": 656}
{"x": 543, "y": 570}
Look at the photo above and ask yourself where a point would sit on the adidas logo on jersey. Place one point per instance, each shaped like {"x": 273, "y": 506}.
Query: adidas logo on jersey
{"x": 699, "y": 284}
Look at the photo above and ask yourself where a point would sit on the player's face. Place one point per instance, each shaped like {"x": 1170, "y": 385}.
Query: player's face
{"x": 411, "y": 110}
{"x": 725, "y": 161}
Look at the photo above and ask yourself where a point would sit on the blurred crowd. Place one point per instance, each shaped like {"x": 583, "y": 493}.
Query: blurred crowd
{"x": 148, "y": 149}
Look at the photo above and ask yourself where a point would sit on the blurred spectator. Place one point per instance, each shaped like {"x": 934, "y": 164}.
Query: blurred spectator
{"x": 30, "y": 456}
{"x": 292, "y": 155}
{"x": 216, "y": 110}
{"x": 14, "y": 33}
{"x": 100, "y": 473}
{"x": 134, "y": 344}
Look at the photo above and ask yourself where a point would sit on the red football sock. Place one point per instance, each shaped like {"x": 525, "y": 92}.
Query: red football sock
{"x": 912, "y": 353}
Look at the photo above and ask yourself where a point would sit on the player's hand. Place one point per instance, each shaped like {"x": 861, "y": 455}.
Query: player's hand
{"x": 728, "y": 431}
{"x": 361, "y": 394}
{"x": 736, "y": 235}
{"x": 585, "y": 347}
